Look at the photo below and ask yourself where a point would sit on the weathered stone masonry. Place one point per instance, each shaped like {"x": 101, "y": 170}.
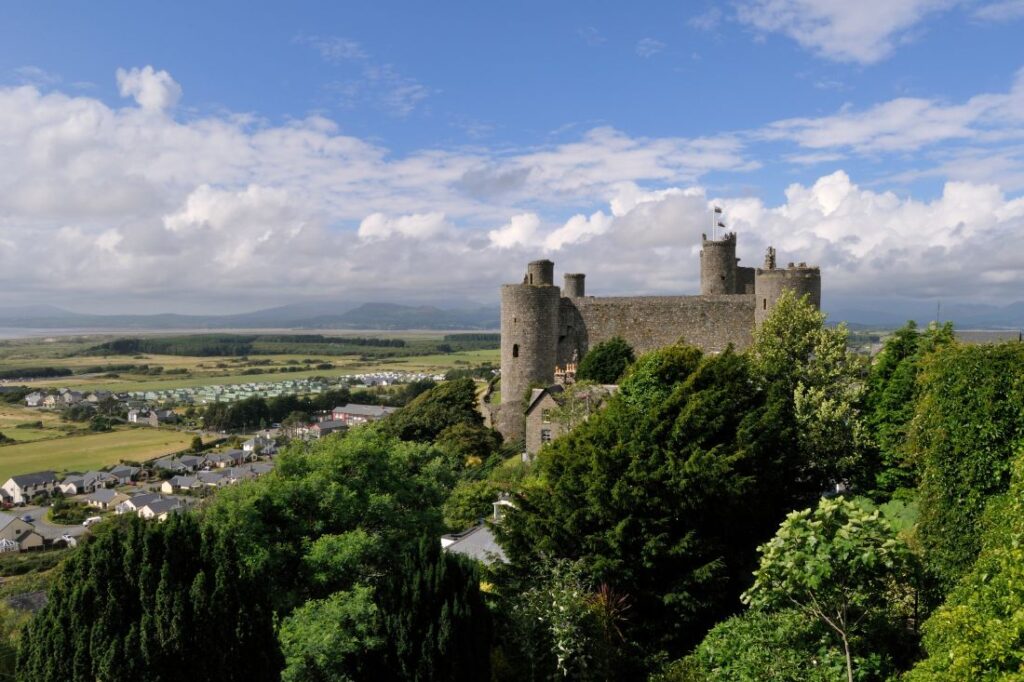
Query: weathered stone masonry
{"x": 543, "y": 326}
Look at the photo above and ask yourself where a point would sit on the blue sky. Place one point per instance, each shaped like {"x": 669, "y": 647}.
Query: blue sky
{"x": 280, "y": 149}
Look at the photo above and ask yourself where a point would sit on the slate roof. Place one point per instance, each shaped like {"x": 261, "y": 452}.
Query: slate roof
{"x": 142, "y": 499}
{"x": 103, "y": 495}
{"x": 477, "y": 543}
{"x": 162, "y": 505}
{"x": 375, "y": 411}
{"x": 37, "y": 478}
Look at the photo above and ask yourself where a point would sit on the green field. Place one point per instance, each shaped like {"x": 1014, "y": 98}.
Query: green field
{"x": 206, "y": 375}
{"x": 12, "y": 415}
{"x": 201, "y": 371}
{"x": 80, "y": 453}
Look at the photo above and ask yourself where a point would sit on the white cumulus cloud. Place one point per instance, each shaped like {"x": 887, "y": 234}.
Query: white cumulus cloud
{"x": 152, "y": 90}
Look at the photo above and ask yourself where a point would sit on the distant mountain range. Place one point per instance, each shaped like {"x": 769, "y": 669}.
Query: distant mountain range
{"x": 894, "y": 313}
{"x": 394, "y": 316}
{"x": 381, "y": 316}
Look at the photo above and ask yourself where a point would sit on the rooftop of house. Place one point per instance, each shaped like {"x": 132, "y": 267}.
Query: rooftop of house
{"x": 477, "y": 543}
{"x": 36, "y": 478}
{"x": 164, "y": 504}
{"x": 365, "y": 410}
{"x": 104, "y": 495}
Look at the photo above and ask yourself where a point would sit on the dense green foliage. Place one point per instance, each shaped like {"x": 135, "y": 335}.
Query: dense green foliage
{"x": 606, "y": 362}
{"x": 836, "y": 563}
{"x": 152, "y": 602}
{"x": 979, "y": 632}
{"x": 663, "y": 495}
{"x": 428, "y": 415}
{"x": 894, "y": 389}
{"x": 785, "y": 645}
{"x": 967, "y": 424}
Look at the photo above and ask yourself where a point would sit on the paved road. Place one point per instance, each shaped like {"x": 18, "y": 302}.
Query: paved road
{"x": 48, "y": 530}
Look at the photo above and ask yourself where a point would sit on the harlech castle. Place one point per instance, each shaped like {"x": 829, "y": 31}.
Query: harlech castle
{"x": 544, "y": 327}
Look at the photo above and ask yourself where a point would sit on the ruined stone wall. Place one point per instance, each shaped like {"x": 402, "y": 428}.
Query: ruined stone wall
{"x": 651, "y": 322}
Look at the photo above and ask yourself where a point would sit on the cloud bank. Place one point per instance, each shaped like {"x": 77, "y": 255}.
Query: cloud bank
{"x": 102, "y": 208}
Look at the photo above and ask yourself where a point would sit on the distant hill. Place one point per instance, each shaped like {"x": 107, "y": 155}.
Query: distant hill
{"x": 895, "y": 313}
{"x": 332, "y": 315}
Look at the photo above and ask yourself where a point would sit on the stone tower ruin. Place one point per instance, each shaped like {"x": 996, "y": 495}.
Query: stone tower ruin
{"x": 544, "y": 327}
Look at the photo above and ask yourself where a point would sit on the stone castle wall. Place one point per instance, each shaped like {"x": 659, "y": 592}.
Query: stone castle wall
{"x": 651, "y": 322}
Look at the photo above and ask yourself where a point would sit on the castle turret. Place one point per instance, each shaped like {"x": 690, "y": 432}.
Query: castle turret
{"x": 574, "y": 285}
{"x": 718, "y": 265}
{"x": 770, "y": 282}
{"x": 529, "y": 341}
{"x": 540, "y": 272}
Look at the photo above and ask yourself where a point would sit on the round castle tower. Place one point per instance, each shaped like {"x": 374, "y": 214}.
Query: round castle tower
{"x": 770, "y": 282}
{"x": 529, "y": 334}
{"x": 718, "y": 265}
{"x": 574, "y": 285}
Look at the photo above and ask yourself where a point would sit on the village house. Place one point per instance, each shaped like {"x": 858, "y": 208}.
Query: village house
{"x": 352, "y": 414}
{"x": 213, "y": 479}
{"x": 259, "y": 444}
{"x": 325, "y": 428}
{"x": 219, "y": 460}
{"x": 125, "y": 474}
{"x": 548, "y": 418}
{"x": 105, "y": 498}
{"x": 77, "y": 484}
{"x": 34, "y": 399}
{"x": 136, "y": 502}
{"x": 161, "y": 509}
{"x": 24, "y": 487}
{"x": 17, "y": 534}
{"x": 173, "y": 485}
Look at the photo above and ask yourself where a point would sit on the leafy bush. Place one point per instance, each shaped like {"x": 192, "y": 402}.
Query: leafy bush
{"x": 606, "y": 362}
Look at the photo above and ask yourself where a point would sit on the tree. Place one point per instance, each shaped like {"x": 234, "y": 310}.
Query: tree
{"x": 560, "y": 627}
{"x": 337, "y": 639}
{"x": 893, "y": 392}
{"x": 126, "y": 606}
{"x": 785, "y": 645}
{"x": 968, "y": 420}
{"x": 430, "y": 413}
{"x": 664, "y": 496}
{"x": 606, "y": 362}
{"x": 435, "y": 621}
{"x": 834, "y": 563}
{"x": 977, "y": 633}
{"x": 197, "y": 443}
{"x": 818, "y": 387}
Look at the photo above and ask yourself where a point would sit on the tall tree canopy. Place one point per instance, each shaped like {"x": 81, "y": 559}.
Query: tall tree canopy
{"x": 606, "y": 362}
{"x": 153, "y": 602}
{"x": 969, "y": 418}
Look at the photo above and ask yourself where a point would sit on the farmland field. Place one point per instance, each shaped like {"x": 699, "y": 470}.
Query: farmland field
{"x": 12, "y": 415}
{"x": 193, "y": 371}
{"x": 80, "y": 453}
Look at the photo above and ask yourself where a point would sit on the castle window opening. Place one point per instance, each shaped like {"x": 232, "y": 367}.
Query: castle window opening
{"x": 515, "y": 350}
{"x": 545, "y": 435}
{"x": 764, "y": 304}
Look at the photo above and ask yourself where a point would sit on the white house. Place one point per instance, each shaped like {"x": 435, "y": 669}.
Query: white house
{"x": 177, "y": 483}
{"x": 34, "y": 399}
{"x": 23, "y": 487}
{"x": 161, "y": 509}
